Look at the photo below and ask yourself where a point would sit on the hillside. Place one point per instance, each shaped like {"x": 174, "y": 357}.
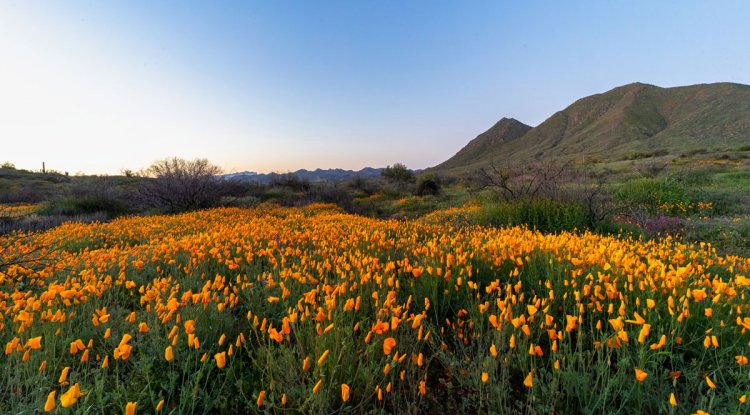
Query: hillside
{"x": 505, "y": 130}
{"x": 629, "y": 121}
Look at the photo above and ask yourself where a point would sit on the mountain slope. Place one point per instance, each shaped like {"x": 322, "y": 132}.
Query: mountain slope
{"x": 625, "y": 120}
{"x": 504, "y": 130}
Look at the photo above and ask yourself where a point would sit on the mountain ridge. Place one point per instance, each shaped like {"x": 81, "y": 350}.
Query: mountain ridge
{"x": 635, "y": 117}
{"x": 317, "y": 175}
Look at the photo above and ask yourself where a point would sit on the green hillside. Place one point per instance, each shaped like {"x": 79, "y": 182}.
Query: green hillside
{"x": 632, "y": 121}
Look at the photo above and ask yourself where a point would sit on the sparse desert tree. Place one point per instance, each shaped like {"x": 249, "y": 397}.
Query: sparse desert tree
{"x": 549, "y": 181}
{"x": 178, "y": 185}
{"x": 398, "y": 173}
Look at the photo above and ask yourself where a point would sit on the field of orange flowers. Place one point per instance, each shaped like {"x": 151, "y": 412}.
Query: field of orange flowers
{"x": 310, "y": 310}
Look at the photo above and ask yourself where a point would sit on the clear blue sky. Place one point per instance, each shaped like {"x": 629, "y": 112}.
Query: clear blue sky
{"x": 279, "y": 85}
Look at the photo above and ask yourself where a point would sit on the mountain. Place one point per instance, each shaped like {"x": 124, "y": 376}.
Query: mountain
{"x": 625, "y": 121}
{"x": 503, "y": 131}
{"x": 317, "y": 175}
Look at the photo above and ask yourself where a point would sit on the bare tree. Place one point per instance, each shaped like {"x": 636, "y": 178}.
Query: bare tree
{"x": 554, "y": 181}
{"x": 533, "y": 180}
{"x": 177, "y": 185}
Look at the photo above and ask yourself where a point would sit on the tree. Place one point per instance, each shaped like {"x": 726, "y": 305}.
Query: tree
{"x": 178, "y": 185}
{"x": 398, "y": 173}
{"x": 549, "y": 181}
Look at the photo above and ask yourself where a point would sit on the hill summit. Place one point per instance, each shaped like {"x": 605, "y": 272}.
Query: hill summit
{"x": 633, "y": 118}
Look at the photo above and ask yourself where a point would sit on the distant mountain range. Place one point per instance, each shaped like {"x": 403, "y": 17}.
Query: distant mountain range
{"x": 317, "y": 175}
{"x": 632, "y": 119}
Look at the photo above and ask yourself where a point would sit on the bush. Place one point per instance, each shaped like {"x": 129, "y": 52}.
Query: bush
{"x": 177, "y": 185}
{"x": 545, "y": 215}
{"x": 428, "y": 186}
{"x": 398, "y": 173}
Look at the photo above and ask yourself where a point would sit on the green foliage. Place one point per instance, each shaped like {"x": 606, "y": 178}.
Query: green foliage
{"x": 545, "y": 215}
{"x": 652, "y": 195}
{"x": 398, "y": 173}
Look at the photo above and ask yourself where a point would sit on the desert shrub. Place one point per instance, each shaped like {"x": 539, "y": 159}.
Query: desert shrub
{"x": 332, "y": 193}
{"x": 398, "y": 173}
{"x": 242, "y": 201}
{"x": 176, "y": 185}
{"x": 93, "y": 195}
{"x": 647, "y": 154}
{"x": 727, "y": 235}
{"x": 647, "y": 197}
{"x": 290, "y": 181}
{"x": 664, "y": 225}
{"x": 363, "y": 186}
{"x": 428, "y": 186}
{"x": 545, "y": 215}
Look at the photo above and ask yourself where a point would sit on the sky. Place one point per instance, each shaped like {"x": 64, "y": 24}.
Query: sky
{"x": 97, "y": 87}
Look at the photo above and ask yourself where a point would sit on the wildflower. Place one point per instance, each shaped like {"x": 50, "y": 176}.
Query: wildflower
{"x": 168, "y": 355}
{"x": 306, "y": 364}
{"x": 261, "y": 396}
{"x": 485, "y": 377}
{"x": 130, "y": 408}
{"x": 710, "y": 383}
{"x": 64, "y": 375}
{"x": 323, "y": 357}
{"x": 34, "y": 343}
{"x": 344, "y": 392}
{"x": 741, "y": 360}
{"x": 50, "y": 404}
{"x": 160, "y": 405}
{"x": 221, "y": 359}
{"x": 640, "y": 375}
{"x": 388, "y": 345}
{"x": 70, "y": 397}
{"x": 529, "y": 380}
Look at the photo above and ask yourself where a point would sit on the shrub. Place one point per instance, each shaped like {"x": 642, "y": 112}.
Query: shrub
{"x": 398, "y": 173}
{"x": 545, "y": 215}
{"x": 175, "y": 185}
{"x": 428, "y": 186}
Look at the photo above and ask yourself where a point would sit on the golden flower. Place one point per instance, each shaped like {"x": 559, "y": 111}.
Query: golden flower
{"x": 388, "y": 345}
{"x": 529, "y": 380}
{"x": 70, "y": 397}
{"x": 322, "y": 357}
{"x": 317, "y": 386}
{"x": 261, "y": 395}
{"x": 34, "y": 343}
{"x": 64, "y": 375}
{"x": 221, "y": 359}
{"x": 640, "y": 375}
{"x": 344, "y": 392}
{"x": 50, "y": 404}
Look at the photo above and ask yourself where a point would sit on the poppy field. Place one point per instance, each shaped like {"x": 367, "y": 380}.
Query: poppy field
{"x": 311, "y": 310}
